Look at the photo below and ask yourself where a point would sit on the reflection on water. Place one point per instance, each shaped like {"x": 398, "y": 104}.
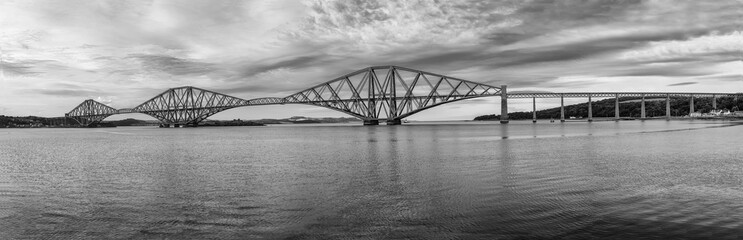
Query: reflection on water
{"x": 620, "y": 180}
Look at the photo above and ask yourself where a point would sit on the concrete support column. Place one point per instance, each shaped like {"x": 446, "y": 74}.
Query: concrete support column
{"x": 691, "y": 105}
{"x": 590, "y": 109}
{"x": 562, "y": 107}
{"x": 616, "y": 107}
{"x": 534, "y": 109}
{"x": 642, "y": 107}
{"x": 714, "y": 102}
{"x": 668, "y": 107}
{"x": 503, "y": 104}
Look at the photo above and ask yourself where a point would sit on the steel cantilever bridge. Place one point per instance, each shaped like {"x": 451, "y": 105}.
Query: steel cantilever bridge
{"x": 373, "y": 94}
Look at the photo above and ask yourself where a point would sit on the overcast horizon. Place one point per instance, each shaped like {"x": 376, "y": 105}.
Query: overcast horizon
{"x": 55, "y": 54}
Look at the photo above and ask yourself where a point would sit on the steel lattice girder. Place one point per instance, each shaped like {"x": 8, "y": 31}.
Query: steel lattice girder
{"x": 266, "y": 101}
{"x": 390, "y": 92}
{"x": 188, "y": 105}
{"x": 90, "y": 111}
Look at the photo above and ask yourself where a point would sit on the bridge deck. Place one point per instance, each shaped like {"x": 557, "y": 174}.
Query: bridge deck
{"x": 620, "y": 94}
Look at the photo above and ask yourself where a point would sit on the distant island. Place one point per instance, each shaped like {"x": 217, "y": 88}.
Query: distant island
{"x": 629, "y": 108}
{"x": 43, "y": 122}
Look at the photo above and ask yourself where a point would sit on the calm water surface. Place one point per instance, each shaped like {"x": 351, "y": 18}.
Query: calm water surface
{"x": 626, "y": 180}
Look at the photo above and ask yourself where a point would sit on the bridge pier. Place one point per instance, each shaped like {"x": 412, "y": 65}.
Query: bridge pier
{"x": 177, "y": 125}
{"x": 616, "y": 107}
{"x": 534, "y": 110}
{"x": 562, "y": 107}
{"x": 590, "y": 109}
{"x": 503, "y": 104}
{"x": 691, "y": 104}
{"x": 642, "y": 107}
{"x": 668, "y": 107}
{"x": 714, "y": 102}
{"x": 369, "y": 122}
{"x": 394, "y": 122}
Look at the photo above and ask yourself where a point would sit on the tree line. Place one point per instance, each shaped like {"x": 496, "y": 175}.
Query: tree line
{"x": 605, "y": 108}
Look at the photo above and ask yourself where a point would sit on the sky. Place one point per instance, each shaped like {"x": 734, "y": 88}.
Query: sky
{"x": 55, "y": 54}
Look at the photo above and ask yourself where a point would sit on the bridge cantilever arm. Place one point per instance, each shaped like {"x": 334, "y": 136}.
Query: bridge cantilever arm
{"x": 441, "y": 103}
{"x": 359, "y": 116}
{"x": 439, "y": 75}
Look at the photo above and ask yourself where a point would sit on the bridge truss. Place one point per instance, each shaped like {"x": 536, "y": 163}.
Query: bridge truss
{"x": 389, "y": 93}
{"x": 187, "y": 105}
{"x": 90, "y": 112}
{"x": 372, "y": 94}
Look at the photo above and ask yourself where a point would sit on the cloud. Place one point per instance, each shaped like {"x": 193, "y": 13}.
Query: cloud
{"x": 723, "y": 77}
{"x": 709, "y": 45}
{"x": 253, "y": 69}
{"x": 67, "y": 92}
{"x": 379, "y": 27}
{"x": 17, "y": 69}
{"x": 682, "y": 84}
{"x": 132, "y": 50}
{"x": 172, "y": 65}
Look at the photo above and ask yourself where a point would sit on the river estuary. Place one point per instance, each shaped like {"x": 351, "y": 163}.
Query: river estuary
{"x": 435, "y": 180}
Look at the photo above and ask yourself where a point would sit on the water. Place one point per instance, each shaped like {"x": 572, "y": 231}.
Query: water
{"x": 626, "y": 180}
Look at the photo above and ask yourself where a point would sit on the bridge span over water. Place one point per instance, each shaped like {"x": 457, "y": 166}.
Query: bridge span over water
{"x": 373, "y": 94}
{"x": 616, "y": 95}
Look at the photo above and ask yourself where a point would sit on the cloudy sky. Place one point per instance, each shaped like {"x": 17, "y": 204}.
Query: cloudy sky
{"x": 55, "y": 54}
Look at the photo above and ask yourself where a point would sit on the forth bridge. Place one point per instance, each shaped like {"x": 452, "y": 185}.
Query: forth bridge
{"x": 374, "y": 94}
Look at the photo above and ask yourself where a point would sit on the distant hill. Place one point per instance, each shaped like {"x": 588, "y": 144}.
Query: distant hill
{"x": 301, "y": 119}
{"x": 42, "y": 122}
{"x": 235, "y": 122}
{"x": 628, "y": 107}
{"x": 131, "y": 122}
